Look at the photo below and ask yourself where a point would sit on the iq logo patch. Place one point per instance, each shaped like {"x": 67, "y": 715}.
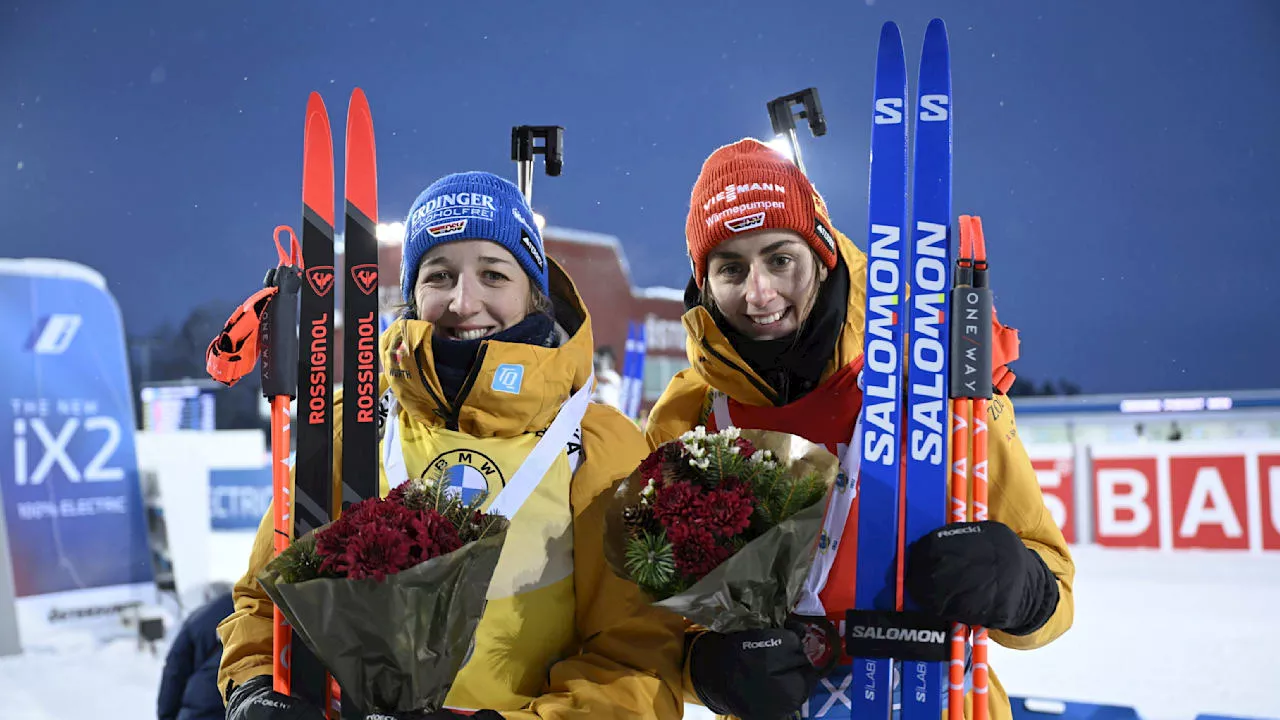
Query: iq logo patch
{"x": 508, "y": 378}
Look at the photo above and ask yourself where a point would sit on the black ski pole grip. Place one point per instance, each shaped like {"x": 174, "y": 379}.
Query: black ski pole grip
{"x": 553, "y": 151}
{"x": 971, "y": 342}
{"x": 279, "y": 335}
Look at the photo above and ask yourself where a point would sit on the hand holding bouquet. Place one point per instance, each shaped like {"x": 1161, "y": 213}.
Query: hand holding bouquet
{"x": 389, "y": 595}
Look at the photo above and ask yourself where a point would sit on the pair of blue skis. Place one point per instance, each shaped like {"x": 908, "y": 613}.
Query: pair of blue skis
{"x": 900, "y": 657}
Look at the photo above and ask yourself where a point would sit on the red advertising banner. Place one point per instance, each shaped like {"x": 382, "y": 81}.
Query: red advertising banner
{"x": 1209, "y": 502}
{"x": 1204, "y": 495}
{"x": 1057, "y": 476}
{"x": 1124, "y": 502}
{"x": 1269, "y": 499}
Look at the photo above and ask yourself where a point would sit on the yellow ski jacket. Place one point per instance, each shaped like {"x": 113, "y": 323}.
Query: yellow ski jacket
{"x": 1015, "y": 497}
{"x": 568, "y": 638}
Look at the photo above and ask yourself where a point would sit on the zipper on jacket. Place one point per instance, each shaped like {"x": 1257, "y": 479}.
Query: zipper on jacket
{"x": 451, "y": 422}
{"x": 442, "y": 408}
{"x": 764, "y": 389}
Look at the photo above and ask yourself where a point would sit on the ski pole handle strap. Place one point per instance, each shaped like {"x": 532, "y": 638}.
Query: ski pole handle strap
{"x": 279, "y": 340}
{"x": 907, "y": 635}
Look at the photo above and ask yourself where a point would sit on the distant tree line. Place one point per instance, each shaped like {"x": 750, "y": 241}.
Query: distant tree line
{"x": 178, "y": 353}
{"x": 1026, "y": 386}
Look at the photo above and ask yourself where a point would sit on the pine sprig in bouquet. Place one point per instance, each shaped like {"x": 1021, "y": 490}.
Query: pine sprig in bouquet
{"x": 722, "y": 527}
{"x": 390, "y": 594}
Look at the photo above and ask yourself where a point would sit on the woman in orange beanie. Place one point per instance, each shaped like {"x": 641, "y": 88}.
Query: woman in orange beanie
{"x": 775, "y": 325}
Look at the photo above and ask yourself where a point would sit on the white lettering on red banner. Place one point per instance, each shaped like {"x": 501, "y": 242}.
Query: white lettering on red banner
{"x": 1057, "y": 486}
{"x": 1125, "y": 502}
{"x": 1209, "y": 502}
{"x": 1219, "y": 495}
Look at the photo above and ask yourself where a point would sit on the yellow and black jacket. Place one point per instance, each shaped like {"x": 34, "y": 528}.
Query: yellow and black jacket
{"x": 1015, "y": 497}
{"x": 561, "y": 637}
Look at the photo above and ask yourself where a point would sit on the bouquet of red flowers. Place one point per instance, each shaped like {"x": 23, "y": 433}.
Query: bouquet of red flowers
{"x": 389, "y": 595}
{"x": 722, "y": 527}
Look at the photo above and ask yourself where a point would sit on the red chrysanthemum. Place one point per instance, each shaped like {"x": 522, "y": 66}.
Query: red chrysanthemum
{"x": 398, "y": 492}
{"x": 651, "y": 467}
{"x": 674, "y": 501}
{"x": 332, "y": 541}
{"x": 376, "y": 552}
{"x": 726, "y": 511}
{"x": 379, "y": 537}
{"x": 434, "y": 535}
{"x": 745, "y": 447}
{"x": 695, "y": 550}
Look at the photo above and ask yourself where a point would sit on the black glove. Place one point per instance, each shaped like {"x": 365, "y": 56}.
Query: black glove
{"x": 256, "y": 700}
{"x": 753, "y": 674}
{"x": 981, "y": 574}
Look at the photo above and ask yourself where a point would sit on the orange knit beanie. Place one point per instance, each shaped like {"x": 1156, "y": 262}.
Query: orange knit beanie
{"x": 750, "y": 186}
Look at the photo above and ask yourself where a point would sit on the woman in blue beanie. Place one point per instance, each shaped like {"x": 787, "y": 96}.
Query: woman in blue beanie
{"x": 494, "y": 345}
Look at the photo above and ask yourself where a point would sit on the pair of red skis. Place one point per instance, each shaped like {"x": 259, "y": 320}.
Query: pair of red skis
{"x": 290, "y": 326}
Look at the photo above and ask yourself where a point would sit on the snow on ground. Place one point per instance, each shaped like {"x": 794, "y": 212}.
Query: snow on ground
{"x": 1173, "y": 635}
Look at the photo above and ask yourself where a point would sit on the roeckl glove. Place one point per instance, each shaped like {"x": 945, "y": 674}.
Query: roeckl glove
{"x": 753, "y": 674}
{"x": 981, "y": 573}
{"x": 256, "y": 700}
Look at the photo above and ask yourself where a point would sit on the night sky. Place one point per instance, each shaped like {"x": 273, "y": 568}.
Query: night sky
{"x": 1122, "y": 155}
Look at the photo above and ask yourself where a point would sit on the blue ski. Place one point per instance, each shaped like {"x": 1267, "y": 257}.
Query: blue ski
{"x": 924, "y": 684}
{"x": 881, "y": 465}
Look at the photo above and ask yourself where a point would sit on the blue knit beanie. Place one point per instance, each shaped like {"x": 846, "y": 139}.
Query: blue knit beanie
{"x": 472, "y": 206}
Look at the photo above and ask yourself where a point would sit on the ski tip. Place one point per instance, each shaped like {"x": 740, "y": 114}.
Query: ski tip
{"x": 891, "y": 42}
{"x": 936, "y": 34}
{"x": 317, "y": 117}
{"x": 317, "y": 160}
{"x": 315, "y": 104}
{"x": 359, "y": 103}
{"x": 361, "y": 162}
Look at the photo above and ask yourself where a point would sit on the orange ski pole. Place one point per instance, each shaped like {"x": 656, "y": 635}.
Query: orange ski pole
{"x": 960, "y": 420}
{"x": 980, "y": 677}
{"x": 280, "y": 386}
{"x": 266, "y": 327}
{"x": 971, "y": 387}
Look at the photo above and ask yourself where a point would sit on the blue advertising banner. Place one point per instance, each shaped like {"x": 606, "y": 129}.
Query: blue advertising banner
{"x": 68, "y": 470}
{"x": 238, "y": 498}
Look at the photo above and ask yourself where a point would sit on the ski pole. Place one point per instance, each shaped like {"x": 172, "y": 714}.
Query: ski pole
{"x": 960, "y": 420}
{"x": 523, "y": 148}
{"x": 980, "y": 436}
{"x": 970, "y": 392}
{"x": 265, "y": 327}
{"x": 782, "y": 117}
{"x": 279, "y": 385}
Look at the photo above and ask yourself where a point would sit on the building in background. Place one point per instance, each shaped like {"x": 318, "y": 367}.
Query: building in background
{"x": 599, "y": 268}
